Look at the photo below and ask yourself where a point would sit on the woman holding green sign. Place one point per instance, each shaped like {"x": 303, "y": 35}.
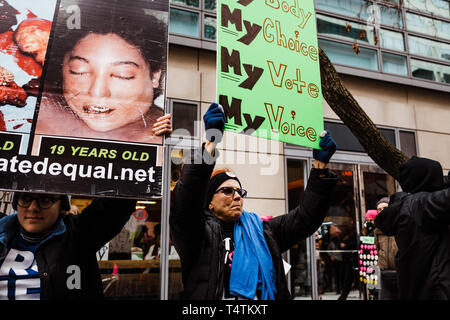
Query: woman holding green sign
{"x": 225, "y": 251}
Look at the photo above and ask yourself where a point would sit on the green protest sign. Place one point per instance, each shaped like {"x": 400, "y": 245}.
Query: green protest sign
{"x": 268, "y": 76}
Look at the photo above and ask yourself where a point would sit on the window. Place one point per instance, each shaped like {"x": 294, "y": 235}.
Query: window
{"x": 341, "y": 53}
{"x": 375, "y": 185}
{"x": 439, "y": 8}
{"x": 185, "y": 118}
{"x": 391, "y": 16}
{"x": 397, "y": 2}
{"x": 345, "y": 29}
{"x": 394, "y": 64}
{"x": 193, "y": 22}
{"x": 344, "y": 138}
{"x": 352, "y": 8}
{"x": 184, "y": 22}
{"x": 210, "y": 5}
{"x": 187, "y": 3}
{"x": 429, "y": 48}
{"x": 389, "y": 134}
{"x": 430, "y": 71}
{"x": 392, "y": 40}
{"x": 427, "y": 26}
{"x": 346, "y": 141}
{"x": 210, "y": 27}
{"x": 408, "y": 143}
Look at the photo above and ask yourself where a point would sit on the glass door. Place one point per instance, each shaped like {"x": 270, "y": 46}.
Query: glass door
{"x": 336, "y": 240}
{"x": 375, "y": 184}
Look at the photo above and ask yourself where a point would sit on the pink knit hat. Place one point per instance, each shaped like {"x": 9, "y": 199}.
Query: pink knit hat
{"x": 371, "y": 214}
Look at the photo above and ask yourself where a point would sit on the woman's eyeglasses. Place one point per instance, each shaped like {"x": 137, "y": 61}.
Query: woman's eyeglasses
{"x": 229, "y": 191}
{"x": 44, "y": 202}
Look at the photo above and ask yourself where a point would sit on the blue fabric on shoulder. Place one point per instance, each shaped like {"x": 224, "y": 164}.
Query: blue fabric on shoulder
{"x": 252, "y": 267}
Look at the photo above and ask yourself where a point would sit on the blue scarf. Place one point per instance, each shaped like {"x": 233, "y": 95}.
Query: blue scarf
{"x": 252, "y": 267}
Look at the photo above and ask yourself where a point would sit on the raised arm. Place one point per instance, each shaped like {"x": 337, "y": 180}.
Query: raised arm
{"x": 187, "y": 216}
{"x": 305, "y": 219}
{"x": 103, "y": 219}
{"x": 189, "y": 196}
{"x": 432, "y": 210}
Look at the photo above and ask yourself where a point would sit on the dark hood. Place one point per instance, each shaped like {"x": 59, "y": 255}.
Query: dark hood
{"x": 447, "y": 180}
{"x": 421, "y": 174}
{"x": 386, "y": 220}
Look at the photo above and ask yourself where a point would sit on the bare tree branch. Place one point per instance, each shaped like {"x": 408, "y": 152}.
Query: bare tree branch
{"x": 349, "y": 111}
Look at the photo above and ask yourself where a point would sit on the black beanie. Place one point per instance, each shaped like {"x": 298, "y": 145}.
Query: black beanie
{"x": 421, "y": 174}
{"x": 65, "y": 202}
{"x": 216, "y": 181}
{"x": 447, "y": 180}
{"x": 382, "y": 200}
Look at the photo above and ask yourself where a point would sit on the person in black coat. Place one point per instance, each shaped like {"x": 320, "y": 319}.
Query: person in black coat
{"x": 419, "y": 218}
{"x": 47, "y": 254}
{"x": 225, "y": 251}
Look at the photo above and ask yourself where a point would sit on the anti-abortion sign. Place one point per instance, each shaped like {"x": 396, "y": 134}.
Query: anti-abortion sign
{"x": 82, "y": 83}
{"x": 268, "y": 76}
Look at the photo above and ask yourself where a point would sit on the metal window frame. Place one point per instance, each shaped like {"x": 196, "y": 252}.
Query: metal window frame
{"x": 200, "y": 5}
{"x": 183, "y": 141}
{"x": 204, "y": 14}
{"x": 192, "y": 10}
{"x": 213, "y": 12}
{"x": 197, "y": 42}
{"x": 416, "y": 141}
{"x": 350, "y": 43}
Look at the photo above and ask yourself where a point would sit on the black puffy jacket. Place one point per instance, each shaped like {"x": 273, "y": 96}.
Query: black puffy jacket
{"x": 197, "y": 234}
{"x": 420, "y": 223}
{"x": 75, "y": 241}
{"x": 419, "y": 218}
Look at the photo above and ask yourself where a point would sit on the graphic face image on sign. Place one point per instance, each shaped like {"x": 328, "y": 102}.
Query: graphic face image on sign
{"x": 107, "y": 74}
{"x": 268, "y": 75}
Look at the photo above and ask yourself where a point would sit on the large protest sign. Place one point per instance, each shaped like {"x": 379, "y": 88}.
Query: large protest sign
{"x": 82, "y": 83}
{"x": 268, "y": 76}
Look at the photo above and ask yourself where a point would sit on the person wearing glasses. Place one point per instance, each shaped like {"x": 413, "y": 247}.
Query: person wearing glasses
{"x": 227, "y": 252}
{"x": 46, "y": 253}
